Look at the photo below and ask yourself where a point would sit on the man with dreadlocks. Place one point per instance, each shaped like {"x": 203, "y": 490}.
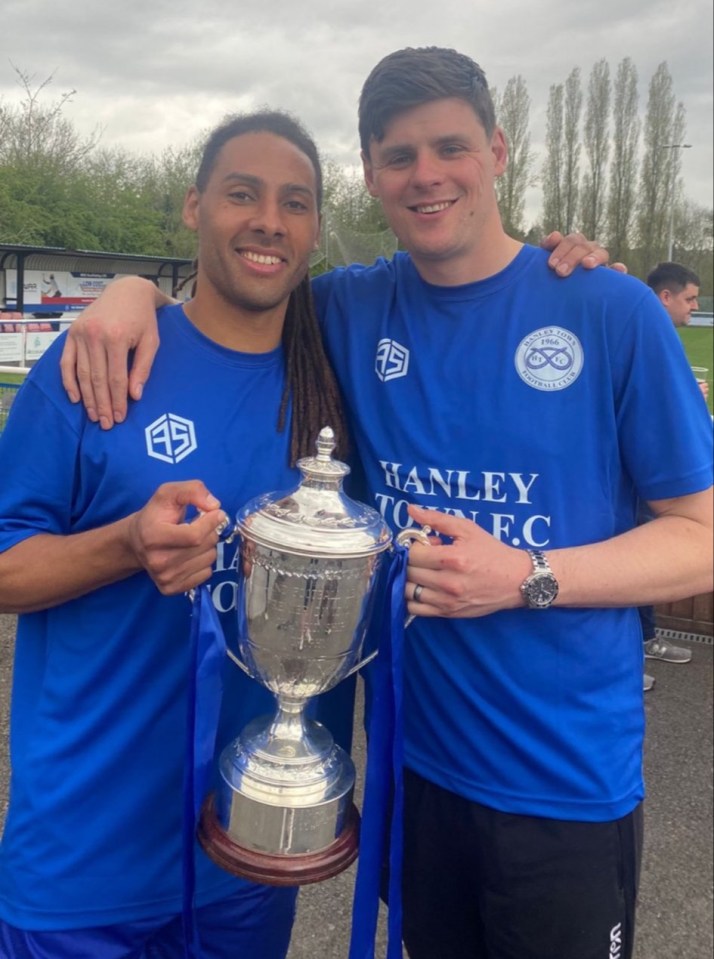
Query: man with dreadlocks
{"x": 97, "y": 553}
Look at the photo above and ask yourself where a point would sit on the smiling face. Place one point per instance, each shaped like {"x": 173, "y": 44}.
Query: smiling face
{"x": 257, "y": 222}
{"x": 434, "y": 172}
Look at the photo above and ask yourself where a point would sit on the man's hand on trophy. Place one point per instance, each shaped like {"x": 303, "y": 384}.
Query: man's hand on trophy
{"x": 471, "y": 575}
{"x": 177, "y": 555}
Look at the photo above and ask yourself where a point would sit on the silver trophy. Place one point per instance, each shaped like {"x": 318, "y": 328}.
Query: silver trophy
{"x": 283, "y": 812}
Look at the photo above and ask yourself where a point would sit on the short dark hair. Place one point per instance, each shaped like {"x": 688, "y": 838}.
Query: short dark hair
{"x": 278, "y": 122}
{"x": 671, "y": 276}
{"x": 416, "y": 75}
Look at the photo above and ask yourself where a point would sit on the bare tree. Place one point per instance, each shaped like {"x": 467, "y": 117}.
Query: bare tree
{"x": 597, "y": 148}
{"x": 664, "y": 127}
{"x": 512, "y": 112}
{"x": 623, "y": 174}
{"x": 571, "y": 141}
{"x": 35, "y": 134}
{"x": 694, "y": 241}
{"x": 552, "y": 178}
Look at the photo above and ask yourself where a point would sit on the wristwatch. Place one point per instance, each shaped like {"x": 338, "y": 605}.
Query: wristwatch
{"x": 541, "y": 587}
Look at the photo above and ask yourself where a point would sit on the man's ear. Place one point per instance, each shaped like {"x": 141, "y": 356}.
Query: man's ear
{"x": 368, "y": 171}
{"x": 190, "y": 208}
{"x": 665, "y": 297}
{"x": 499, "y": 148}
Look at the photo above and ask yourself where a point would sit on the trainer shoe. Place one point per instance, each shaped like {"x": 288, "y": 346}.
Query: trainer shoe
{"x": 649, "y": 682}
{"x": 666, "y": 652}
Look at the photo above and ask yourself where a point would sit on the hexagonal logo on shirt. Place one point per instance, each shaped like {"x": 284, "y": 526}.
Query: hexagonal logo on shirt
{"x": 170, "y": 438}
{"x": 549, "y": 359}
{"x": 391, "y": 361}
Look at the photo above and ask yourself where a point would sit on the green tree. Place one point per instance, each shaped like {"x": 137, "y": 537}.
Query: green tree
{"x": 354, "y": 228}
{"x": 165, "y": 181}
{"x": 36, "y": 135}
{"x": 41, "y": 159}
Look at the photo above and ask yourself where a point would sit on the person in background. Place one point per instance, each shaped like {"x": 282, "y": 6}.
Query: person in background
{"x": 513, "y": 405}
{"x": 677, "y": 288}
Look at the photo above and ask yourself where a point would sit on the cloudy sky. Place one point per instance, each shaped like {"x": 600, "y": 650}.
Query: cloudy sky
{"x": 151, "y": 73}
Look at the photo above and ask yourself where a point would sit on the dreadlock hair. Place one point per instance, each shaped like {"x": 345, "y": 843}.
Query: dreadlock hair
{"x": 317, "y": 401}
{"x": 310, "y": 382}
{"x": 188, "y": 283}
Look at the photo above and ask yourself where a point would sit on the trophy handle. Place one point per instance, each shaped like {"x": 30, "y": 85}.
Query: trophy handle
{"x": 239, "y": 662}
{"x": 411, "y": 535}
{"x": 406, "y": 538}
{"x": 360, "y": 665}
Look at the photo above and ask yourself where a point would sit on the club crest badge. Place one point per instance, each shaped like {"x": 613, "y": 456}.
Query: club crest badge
{"x": 549, "y": 359}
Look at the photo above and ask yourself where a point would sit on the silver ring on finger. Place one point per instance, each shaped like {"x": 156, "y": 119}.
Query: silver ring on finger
{"x": 418, "y": 590}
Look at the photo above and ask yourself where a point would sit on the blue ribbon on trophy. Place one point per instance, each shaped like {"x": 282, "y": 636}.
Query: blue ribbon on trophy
{"x": 381, "y": 835}
{"x": 282, "y": 811}
{"x": 205, "y": 693}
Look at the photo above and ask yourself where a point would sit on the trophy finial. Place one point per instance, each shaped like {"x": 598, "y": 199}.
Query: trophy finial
{"x": 325, "y": 443}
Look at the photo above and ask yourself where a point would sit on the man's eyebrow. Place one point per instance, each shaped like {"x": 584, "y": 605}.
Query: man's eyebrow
{"x": 443, "y": 140}
{"x": 298, "y": 188}
{"x": 394, "y": 148}
{"x": 249, "y": 179}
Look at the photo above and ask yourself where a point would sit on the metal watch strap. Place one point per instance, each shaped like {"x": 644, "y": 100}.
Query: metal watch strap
{"x": 540, "y": 563}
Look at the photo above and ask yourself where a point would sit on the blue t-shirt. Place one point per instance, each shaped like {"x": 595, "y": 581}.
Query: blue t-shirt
{"x": 541, "y": 409}
{"x": 93, "y": 832}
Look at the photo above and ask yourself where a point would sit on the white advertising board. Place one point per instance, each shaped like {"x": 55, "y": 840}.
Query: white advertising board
{"x": 57, "y": 291}
{"x": 37, "y": 343}
{"x": 11, "y": 347}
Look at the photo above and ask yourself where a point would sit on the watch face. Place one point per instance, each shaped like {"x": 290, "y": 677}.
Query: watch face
{"x": 541, "y": 590}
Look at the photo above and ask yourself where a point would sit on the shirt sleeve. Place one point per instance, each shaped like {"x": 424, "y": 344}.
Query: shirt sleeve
{"x": 664, "y": 425}
{"x": 38, "y": 461}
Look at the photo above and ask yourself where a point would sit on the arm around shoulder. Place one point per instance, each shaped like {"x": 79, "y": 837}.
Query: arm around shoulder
{"x": 95, "y": 357}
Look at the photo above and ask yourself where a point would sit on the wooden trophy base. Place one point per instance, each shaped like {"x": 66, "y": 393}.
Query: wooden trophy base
{"x": 278, "y": 870}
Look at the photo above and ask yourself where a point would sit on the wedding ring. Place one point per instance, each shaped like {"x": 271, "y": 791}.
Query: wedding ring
{"x": 418, "y": 590}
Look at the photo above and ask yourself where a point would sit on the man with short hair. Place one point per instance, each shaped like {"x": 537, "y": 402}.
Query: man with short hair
{"x": 678, "y": 289}
{"x": 522, "y": 411}
{"x": 520, "y": 408}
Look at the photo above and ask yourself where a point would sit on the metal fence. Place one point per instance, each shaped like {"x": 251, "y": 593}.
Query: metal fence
{"x": 7, "y": 395}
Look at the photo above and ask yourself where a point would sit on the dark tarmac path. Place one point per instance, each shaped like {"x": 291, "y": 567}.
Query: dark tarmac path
{"x": 676, "y": 916}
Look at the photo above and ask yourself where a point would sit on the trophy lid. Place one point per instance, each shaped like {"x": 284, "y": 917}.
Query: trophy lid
{"x": 317, "y": 518}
